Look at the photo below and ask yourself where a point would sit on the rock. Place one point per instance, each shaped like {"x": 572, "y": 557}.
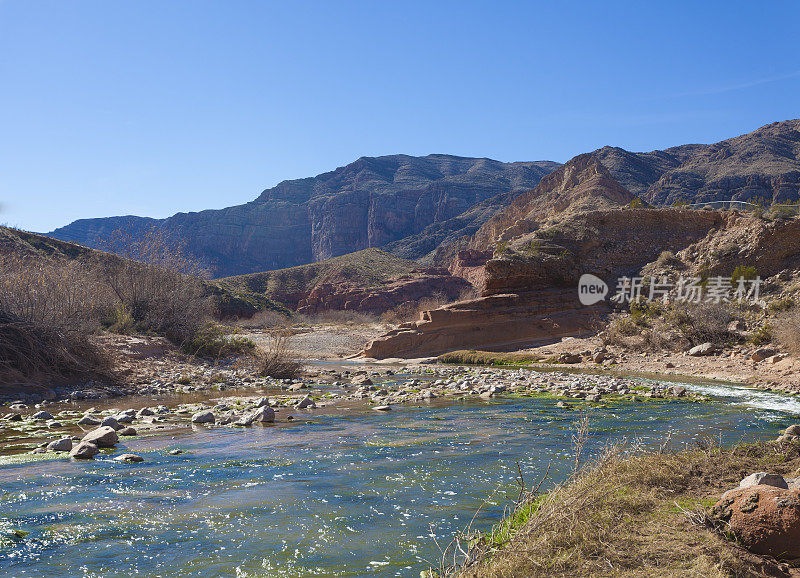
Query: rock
{"x": 129, "y": 458}
{"x": 382, "y": 408}
{"x": 62, "y": 445}
{"x": 569, "y": 358}
{"x": 702, "y": 349}
{"x": 175, "y": 452}
{"x": 205, "y": 416}
{"x": 128, "y": 431}
{"x": 103, "y": 437}
{"x": 145, "y": 411}
{"x": 761, "y": 354}
{"x": 775, "y": 358}
{"x": 669, "y": 365}
{"x": 262, "y": 402}
{"x": 84, "y": 451}
{"x": 124, "y": 417}
{"x": 600, "y": 357}
{"x": 89, "y": 420}
{"x": 764, "y": 519}
{"x": 306, "y": 402}
{"x": 111, "y": 422}
{"x": 42, "y": 416}
{"x": 792, "y": 430}
{"x": 39, "y": 451}
{"x": 594, "y": 397}
{"x": 763, "y": 479}
{"x": 263, "y": 414}
{"x": 361, "y": 380}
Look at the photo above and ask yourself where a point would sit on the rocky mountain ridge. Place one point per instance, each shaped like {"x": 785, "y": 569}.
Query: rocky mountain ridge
{"x": 371, "y": 202}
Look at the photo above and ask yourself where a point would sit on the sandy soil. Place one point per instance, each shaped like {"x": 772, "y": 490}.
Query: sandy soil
{"x": 326, "y": 341}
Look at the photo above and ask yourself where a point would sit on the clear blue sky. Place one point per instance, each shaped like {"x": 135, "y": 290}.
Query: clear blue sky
{"x": 154, "y": 107}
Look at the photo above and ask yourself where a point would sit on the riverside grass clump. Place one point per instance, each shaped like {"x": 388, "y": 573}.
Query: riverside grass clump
{"x": 624, "y": 512}
{"x": 473, "y": 357}
{"x": 276, "y": 360}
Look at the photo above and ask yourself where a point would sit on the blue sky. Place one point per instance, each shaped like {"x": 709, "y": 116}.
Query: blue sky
{"x": 155, "y": 107}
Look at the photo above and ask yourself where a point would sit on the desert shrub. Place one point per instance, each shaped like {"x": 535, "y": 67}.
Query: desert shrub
{"x": 787, "y": 331}
{"x": 277, "y": 360}
{"x": 781, "y": 305}
{"x": 33, "y": 350}
{"x": 702, "y": 322}
{"x": 65, "y": 295}
{"x": 157, "y": 282}
{"x": 746, "y": 272}
{"x": 761, "y": 336}
{"x": 215, "y": 342}
{"x": 781, "y": 212}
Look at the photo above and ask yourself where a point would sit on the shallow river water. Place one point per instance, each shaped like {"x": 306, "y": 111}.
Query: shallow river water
{"x": 353, "y": 495}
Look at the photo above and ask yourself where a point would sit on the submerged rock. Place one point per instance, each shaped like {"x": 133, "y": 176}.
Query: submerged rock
{"x": 129, "y": 458}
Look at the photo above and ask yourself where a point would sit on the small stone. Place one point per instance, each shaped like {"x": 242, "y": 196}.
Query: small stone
{"x": 39, "y": 451}
{"x": 42, "y": 415}
{"x": 706, "y": 348}
{"x": 764, "y": 479}
{"x": 306, "y": 402}
{"x": 127, "y": 431}
{"x": 382, "y": 408}
{"x": 175, "y": 452}
{"x": 129, "y": 458}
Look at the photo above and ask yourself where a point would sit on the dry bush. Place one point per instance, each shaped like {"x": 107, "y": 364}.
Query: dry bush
{"x": 56, "y": 293}
{"x": 786, "y": 329}
{"x": 157, "y": 283}
{"x": 277, "y": 360}
{"x": 672, "y": 327}
{"x": 31, "y": 351}
{"x": 48, "y": 307}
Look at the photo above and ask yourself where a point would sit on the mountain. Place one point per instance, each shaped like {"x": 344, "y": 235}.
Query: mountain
{"x": 372, "y": 202}
{"x": 761, "y": 167}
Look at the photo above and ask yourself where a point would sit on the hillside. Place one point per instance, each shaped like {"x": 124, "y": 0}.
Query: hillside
{"x": 371, "y": 202}
{"x": 762, "y": 166}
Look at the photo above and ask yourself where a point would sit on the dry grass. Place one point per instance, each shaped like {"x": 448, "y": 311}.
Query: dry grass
{"x": 277, "y": 360}
{"x": 786, "y": 329}
{"x": 627, "y": 513}
{"x": 33, "y": 351}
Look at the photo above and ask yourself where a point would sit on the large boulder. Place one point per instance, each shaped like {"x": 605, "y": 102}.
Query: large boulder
{"x": 103, "y": 437}
{"x": 263, "y": 414}
{"x": 764, "y": 519}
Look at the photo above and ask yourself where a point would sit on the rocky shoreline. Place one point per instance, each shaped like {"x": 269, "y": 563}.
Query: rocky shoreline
{"x": 66, "y": 426}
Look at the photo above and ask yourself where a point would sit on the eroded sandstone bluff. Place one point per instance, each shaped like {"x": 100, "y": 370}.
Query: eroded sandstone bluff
{"x": 530, "y": 286}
